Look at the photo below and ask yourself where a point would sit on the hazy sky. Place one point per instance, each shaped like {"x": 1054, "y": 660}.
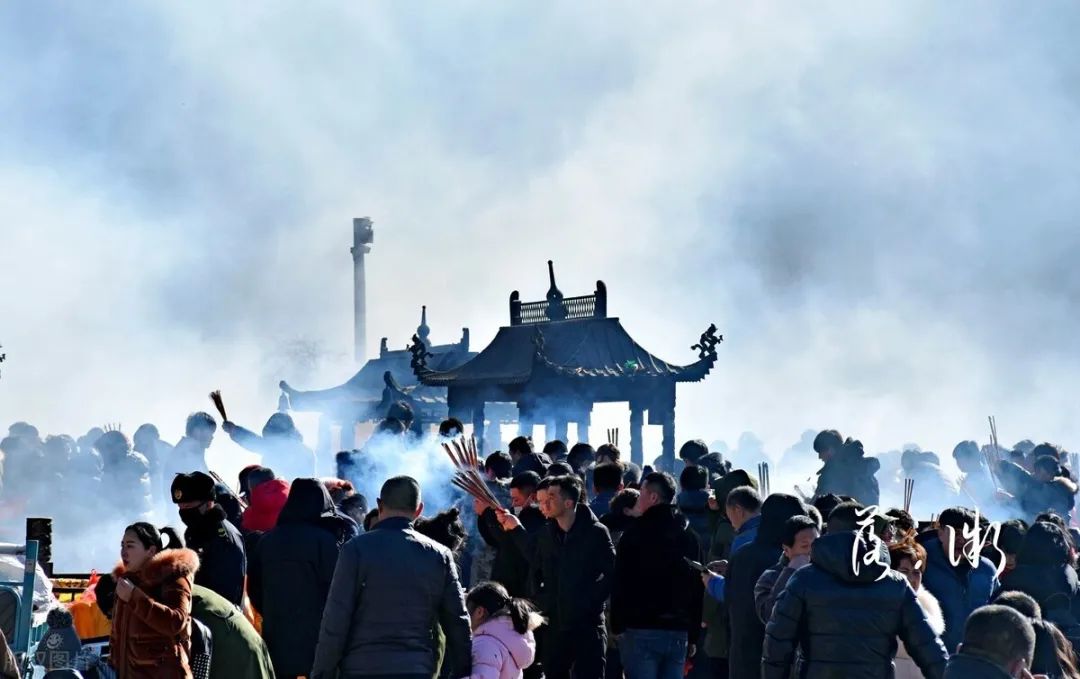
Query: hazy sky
{"x": 875, "y": 202}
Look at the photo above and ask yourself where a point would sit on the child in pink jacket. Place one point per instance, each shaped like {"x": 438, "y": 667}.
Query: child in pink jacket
{"x": 503, "y": 643}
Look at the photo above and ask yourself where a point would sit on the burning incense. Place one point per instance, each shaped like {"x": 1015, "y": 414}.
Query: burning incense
{"x": 909, "y": 491}
{"x": 215, "y": 396}
{"x": 613, "y": 437}
{"x": 464, "y": 457}
{"x": 763, "y": 478}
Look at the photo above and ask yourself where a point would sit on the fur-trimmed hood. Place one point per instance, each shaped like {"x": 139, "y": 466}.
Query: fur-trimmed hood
{"x": 932, "y": 609}
{"x": 169, "y": 564}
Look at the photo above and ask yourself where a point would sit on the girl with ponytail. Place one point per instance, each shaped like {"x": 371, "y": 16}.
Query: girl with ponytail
{"x": 503, "y": 642}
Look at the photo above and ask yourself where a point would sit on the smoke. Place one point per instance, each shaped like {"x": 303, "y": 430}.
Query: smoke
{"x": 385, "y": 455}
{"x": 875, "y": 203}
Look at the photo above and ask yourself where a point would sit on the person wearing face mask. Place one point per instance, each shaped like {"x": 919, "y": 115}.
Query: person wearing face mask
{"x": 151, "y": 616}
{"x": 510, "y": 568}
{"x": 503, "y": 644}
{"x": 209, "y": 533}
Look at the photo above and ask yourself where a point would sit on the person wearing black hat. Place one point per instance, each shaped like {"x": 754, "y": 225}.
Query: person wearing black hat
{"x": 211, "y": 536}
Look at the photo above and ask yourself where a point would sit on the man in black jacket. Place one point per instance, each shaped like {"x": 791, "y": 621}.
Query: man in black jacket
{"x": 222, "y": 562}
{"x": 847, "y": 470}
{"x": 998, "y": 644}
{"x": 746, "y": 566}
{"x": 525, "y": 460}
{"x": 845, "y": 611}
{"x": 390, "y": 586}
{"x": 656, "y": 597}
{"x": 511, "y": 567}
{"x": 290, "y": 573}
{"x": 570, "y": 578}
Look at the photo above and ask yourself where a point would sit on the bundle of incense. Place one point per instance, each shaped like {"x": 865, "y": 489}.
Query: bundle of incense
{"x": 467, "y": 477}
{"x": 613, "y": 437}
{"x": 909, "y": 490}
{"x": 993, "y": 454}
{"x": 217, "y": 477}
{"x": 763, "y": 478}
{"x": 215, "y": 396}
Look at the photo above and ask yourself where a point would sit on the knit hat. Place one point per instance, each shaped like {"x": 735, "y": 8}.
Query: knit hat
{"x": 60, "y": 645}
{"x": 193, "y": 487}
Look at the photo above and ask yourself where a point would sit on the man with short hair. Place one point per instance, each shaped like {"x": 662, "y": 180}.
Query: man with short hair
{"x": 222, "y": 560}
{"x": 510, "y": 567}
{"x": 656, "y": 596}
{"x": 847, "y": 469}
{"x": 390, "y": 586}
{"x": 570, "y": 578}
{"x": 998, "y": 642}
{"x": 189, "y": 453}
{"x": 844, "y": 517}
{"x": 498, "y": 466}
{"x": 607, "y": 482}
{"x": 800, "y": 532}
{"x": 960, "y": 584}
{"x": 525, "y": 460}
{"x": 608, "y": 452}
{"x": 743, "y": 509}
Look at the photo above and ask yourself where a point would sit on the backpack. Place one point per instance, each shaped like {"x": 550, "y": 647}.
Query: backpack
{"x": 202, "y": 649}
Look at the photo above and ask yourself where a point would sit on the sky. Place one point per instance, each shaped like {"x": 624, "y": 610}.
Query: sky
{"x": 875, "y": 203}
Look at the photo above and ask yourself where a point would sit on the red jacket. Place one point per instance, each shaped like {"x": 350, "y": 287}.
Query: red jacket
{"x": 267, "y": 499}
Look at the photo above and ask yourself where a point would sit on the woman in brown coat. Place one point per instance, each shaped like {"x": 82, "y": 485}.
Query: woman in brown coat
{"x": 151, "y": 633}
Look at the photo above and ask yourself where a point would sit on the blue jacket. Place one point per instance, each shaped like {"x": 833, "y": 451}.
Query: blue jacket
{"x": 958, "y": 597}
{"x": 744, "y": 536}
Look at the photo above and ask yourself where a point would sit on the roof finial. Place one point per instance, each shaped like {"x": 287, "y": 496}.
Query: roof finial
{"x": 556, "y": 311}
{"x": 423, "y": 331}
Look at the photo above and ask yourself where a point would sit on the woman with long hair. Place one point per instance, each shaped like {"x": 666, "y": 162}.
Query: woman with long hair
{"x": 151, "y": 633}
{"x": 503, "y": 642}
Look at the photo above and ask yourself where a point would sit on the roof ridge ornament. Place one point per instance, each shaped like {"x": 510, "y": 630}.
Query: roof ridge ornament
{"x": 423, "y": 330}
{"x": 420, "y": 355}
{"x": 706, "y": 346}
{"x": 556, "y": 310}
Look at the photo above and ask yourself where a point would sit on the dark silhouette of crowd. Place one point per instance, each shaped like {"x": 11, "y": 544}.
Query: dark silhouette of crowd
{"x": 591, "y": 568}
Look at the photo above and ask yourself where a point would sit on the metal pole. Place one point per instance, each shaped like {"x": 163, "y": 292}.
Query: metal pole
{"x": 26, "y": 603}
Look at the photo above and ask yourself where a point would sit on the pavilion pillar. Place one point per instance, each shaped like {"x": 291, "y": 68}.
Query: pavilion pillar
{"x": 637, "y": 449}
{"x": 525, "y": 422}
{"x": 478, "y": 428}
{"x": 549, "y": 430}
{"x": 562, "y": 431}
{"x": 669, "y": 441}
{"x": 348, "y": 435}
{"x": 583, "y": 424}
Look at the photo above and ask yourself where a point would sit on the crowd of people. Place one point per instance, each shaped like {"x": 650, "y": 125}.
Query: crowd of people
{"x": 592, "y": 567}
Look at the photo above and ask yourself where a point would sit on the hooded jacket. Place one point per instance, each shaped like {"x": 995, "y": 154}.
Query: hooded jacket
{"x": 290, "y": 575}
{"x": 850, "y": 472}
{"x": 847, "y": 623}
{"x": 151, "y": 633}
{"x": 390, "y": 587}
{"x": 958, "y": 592}
{"x": 745, "y": 568}
{"x": 905, "y": 666}
{"x": 499, "y": 651}
{"x": 221, "y": 553}
{"x": 267, "y": 500}
{"x": 694, "y": 505}
{"x": 571, "y": 572}
{"x": 654, "y": 588}
{"x": 239, "y": 651}
{"x": 1054, "y": 586}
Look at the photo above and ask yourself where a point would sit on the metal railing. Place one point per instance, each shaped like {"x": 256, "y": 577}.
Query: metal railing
{"x": 21, "y": 643}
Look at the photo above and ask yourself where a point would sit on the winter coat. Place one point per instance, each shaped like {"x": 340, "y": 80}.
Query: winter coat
{"x": 151, "y": 633}
{"x": 616, "y": 523}
{"x": 905, "y": 665}
{"x": 267, "y": 499}
{"x": 850, "y": 472}
{"x": 239, "y": 651}
{"x": 744, "y": 569}
{"x": 290, "y": 575}
{"x": 714, "y": 613}
{"x": 771, "y": 583}
{"x": 600, "y": 504}
{"x": 694, "y": 505}
{"x": 532, "y": 462}
{"x": 390, "y": 587}
{"x": 1055, "y": 588}
{"x": 126, "y": 486}
{"x": 286, "y": 455}
{"x": 510, "y": 567}
{"x": 499, "y": 651}
{"x": 187, "y": 456}
{"x": 847, "y": 623}
{"x": 967, "y": 666}
{"x": 653, "y": 587}
{"x": 1036, "y": 497}
{"x": 959, "y": 593}
{"x": 221, "y": 553}
{"x": 571, "y": 572}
